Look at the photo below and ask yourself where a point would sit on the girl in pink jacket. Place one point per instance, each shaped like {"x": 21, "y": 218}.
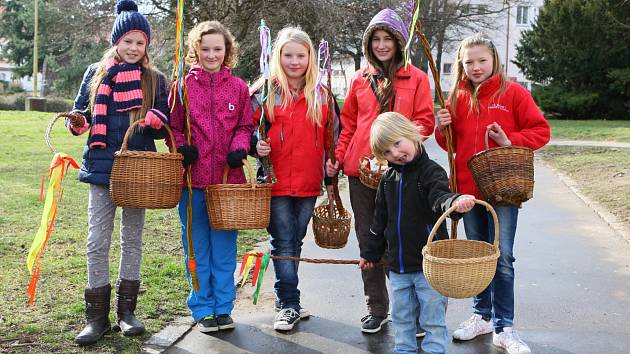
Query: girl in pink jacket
{"x": 220, "y": 125}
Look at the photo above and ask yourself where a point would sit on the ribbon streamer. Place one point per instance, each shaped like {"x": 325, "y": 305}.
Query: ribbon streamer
{"x": 59, "y": 168}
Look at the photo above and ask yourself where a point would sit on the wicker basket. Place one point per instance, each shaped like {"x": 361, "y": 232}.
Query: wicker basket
{"x": 239, "y": 206}
{"x": 460, "y": 268}
{"x": 504, "y": 175}
{"x": 331, "y": 223}
{"x": 368, "y": 177}
{"x": 146, "y": 179}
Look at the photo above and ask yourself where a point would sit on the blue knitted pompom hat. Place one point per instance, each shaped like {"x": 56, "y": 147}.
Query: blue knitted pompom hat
{"x": 128, "y": 20}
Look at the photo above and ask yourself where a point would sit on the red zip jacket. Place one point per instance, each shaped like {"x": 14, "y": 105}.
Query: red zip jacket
{"x": 413, "y": 100}
{"x": 297, "y": 147}
{"x": 515, "y": 111}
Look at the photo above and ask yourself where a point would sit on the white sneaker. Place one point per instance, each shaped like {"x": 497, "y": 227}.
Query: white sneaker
{"x": 509, "y": 341}
{"x": 286, "y": 319}
{"x": 304, "y": 313}
{"x": 472, "y": 327}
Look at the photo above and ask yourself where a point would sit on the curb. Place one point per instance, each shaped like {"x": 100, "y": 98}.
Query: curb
{"x": 604, "y": 214}
{"x": 178, "y": 328}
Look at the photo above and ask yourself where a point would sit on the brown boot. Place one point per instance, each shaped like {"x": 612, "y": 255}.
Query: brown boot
{"x": 126, "y": 299}
{"x": 97, "y": 315}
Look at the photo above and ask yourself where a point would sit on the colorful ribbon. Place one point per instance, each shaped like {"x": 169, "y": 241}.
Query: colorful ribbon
{"x": 412, "y": 26}
{"x": 59, "y": 167}
{"x": 261, "y": 262}
{"x": 323, "y": 64}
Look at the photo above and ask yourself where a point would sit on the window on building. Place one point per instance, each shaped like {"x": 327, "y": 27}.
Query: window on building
{"x": 482, "y": 9}
{"x": 447, "y": 68}
{"x": 522, "y": 15}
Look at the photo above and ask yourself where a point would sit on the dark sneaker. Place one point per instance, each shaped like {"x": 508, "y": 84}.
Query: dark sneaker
{"x": 208, "y": 324}
{"x": 420, "y": 333}
{"x": 286, "y": 319}
{"x": 372, "y": 324}
{"x": 225, "y": 322}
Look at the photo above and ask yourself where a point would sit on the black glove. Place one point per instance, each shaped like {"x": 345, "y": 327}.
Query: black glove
{"x": 252, "y": 145}
{"x": 190, "y": 152}
{"x": 234, "y": 158}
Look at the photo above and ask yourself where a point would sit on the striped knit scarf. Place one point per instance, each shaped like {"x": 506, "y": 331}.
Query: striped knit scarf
{"x": 121, "y": 89}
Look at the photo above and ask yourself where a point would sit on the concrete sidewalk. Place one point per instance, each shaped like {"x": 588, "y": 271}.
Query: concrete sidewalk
{"x": 572, "y": 290}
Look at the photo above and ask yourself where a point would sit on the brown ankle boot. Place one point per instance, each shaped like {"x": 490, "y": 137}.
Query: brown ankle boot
{"x": 97, "y": 315}
{"x": 126, "y": 299}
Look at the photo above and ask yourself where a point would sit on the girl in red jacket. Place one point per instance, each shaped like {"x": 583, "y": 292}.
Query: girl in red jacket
{"x": 482, "y": 99}
{"x": 384, "y": 85}
{"x": 296, "y": 143}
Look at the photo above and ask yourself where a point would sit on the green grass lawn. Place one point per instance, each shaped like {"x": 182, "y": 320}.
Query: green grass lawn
{"x": 57, "y": 316}
{"x": 602, "y": 130}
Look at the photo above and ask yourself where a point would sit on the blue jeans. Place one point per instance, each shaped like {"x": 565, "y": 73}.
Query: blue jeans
{"x": 409, "y": 293}
{"x": 215, "y": 253}
{"x": 498, "y": 298}
{"x": 289, "y": 219}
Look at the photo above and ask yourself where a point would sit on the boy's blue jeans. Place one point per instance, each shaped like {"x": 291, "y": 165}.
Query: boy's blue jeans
{"x": 289, "y": 220}
{"x": 498, "y": 298}
{"x": 215, "y": 252}
{"x": 409, "y": 293}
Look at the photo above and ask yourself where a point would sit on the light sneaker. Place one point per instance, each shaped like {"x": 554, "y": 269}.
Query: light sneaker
{"x": 304, "y": 313}
{"x": 286, "y": 319}
{"x": 509, "y": 341}
{"x": 472, "y": 327}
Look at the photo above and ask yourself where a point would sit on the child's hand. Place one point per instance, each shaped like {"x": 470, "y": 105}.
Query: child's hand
{"x": 497, "y": 134}
{"x": 152, "y": 120}
{"x": 365, "y": 264}
{"x": 77, "y": 123}
{"x": 331, "y": 170}
{"x": 444, "y": 119}
{"x": 263, "y": 148}
{"x": 464, "y": 203}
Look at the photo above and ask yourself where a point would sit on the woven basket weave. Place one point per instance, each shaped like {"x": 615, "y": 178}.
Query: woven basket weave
{"x": 368, "y": 177}
{"x": 460, "y": 268}
{"x": 146, "y": 179}
{"x": 331, "y": 223}
{"x": 239, "y": 206}
{"x": 504, "y": 175}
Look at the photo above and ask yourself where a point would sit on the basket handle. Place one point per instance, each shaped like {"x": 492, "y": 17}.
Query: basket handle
{"x": 487, "y": 142}
{"x": 129, "y": 131}
{"x": 48, "y": 132}
{"x": 250, "y": 170}
{"x": 452, "y": 208}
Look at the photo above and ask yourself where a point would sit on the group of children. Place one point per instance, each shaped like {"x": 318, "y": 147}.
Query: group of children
{"x": 388, "y": 112}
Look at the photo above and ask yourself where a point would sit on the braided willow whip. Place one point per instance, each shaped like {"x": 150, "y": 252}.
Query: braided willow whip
{"x": 448, "y": 134}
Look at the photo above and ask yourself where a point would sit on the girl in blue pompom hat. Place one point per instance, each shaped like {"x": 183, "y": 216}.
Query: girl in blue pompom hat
{"x": 120, "y": 89}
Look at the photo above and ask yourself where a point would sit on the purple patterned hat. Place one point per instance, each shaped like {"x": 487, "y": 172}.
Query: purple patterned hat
{"x": 389, "y": 20}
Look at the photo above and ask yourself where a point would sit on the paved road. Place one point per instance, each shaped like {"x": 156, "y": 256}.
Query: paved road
{"x": 572, "y": 291}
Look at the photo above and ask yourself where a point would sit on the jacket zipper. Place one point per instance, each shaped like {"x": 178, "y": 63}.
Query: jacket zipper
{"x": 400, "y": 252}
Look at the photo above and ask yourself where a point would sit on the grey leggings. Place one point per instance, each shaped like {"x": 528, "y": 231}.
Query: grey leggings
{"x": 101, "y": 212}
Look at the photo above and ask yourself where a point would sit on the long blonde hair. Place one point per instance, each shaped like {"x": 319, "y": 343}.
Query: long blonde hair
{"x": 478, "y": 39}
{"x": 387, "y": 129}
{"x": 280, "y": 82}
{"x": 150, "y": 80}
{"x": 212, "y": 27}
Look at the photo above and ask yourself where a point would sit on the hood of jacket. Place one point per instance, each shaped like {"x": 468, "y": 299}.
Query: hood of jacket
{"x": 390, "y": 21}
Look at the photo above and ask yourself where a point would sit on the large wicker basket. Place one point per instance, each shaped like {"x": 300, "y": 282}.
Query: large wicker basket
{"x": 460, "y": 268}
{"x": 368, "y": 177}
{"x": 504, "y": 175}
{"x": 331, "y": 223}
{"x": 239, "y": 206}
{"x": 146, "y": 179}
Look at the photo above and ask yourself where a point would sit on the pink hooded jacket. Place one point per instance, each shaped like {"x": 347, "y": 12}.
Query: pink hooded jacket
{"x": 220, "y": 122}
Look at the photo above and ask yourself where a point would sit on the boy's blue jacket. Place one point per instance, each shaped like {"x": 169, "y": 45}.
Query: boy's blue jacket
{"x": 97, "y": 163}
{"x": 401, "y": 226}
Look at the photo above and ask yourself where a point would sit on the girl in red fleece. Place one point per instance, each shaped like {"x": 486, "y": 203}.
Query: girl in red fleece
{"x": 384, "y": 85}
{"x": 482, "y": 99}
{"x": 296, "y": 143}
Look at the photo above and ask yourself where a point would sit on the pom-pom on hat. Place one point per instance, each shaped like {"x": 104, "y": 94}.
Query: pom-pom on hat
{"x": 129, "y": 20}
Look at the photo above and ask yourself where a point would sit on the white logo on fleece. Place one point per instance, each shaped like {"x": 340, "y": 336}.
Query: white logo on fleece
{"x": 230, "y": 107}
{"x": 499, "y": 107}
